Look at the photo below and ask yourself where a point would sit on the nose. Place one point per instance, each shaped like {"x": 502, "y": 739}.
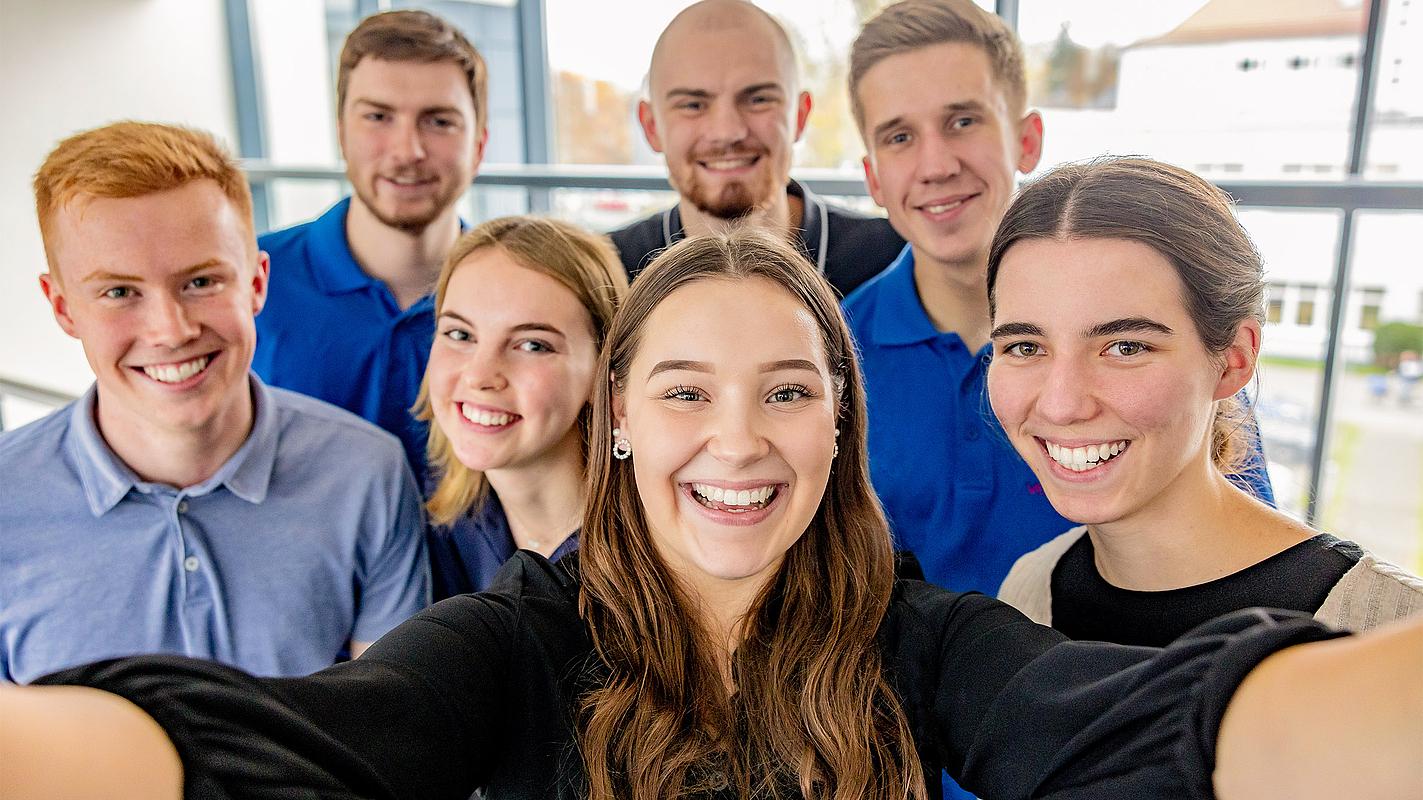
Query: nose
{"x": 737, "y": 438}
{"x": 484, "y": 371}
{"x": 406, "y": 145}
{"x": 938, "y": 160}
{"x": 170, "y": 324}
{"x": 1067, "y": 395}
{"x": 727, "y": 125}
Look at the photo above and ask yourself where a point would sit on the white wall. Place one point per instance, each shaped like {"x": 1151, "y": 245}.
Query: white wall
{"x": 68, "y": 65}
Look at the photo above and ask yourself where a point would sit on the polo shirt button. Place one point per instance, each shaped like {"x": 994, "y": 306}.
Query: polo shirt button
{"x": 971, "y": 435}
{"x": 182, "y": 506}
{"x": 191, "y": 563}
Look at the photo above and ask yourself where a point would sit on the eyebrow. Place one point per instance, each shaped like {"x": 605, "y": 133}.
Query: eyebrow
{"x": 963, "y": 105}
{"x": 759, "y": 87}
{"x": 104, "y": 276}
{"x": 702, "y": 366}
{"x": 521, "y": 327}
{"x": 388, "y": 107}
{"x": 1115, "y": 327}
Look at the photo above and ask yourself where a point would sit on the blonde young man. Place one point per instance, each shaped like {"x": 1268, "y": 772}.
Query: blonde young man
{"x": 181, "y": 505}
{"x": 725, "y": 109}
{"x": 349, "y": 318}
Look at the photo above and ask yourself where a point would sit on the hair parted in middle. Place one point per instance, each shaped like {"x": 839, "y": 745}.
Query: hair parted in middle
{"x": 1181, "y": 216}
{"x": 813, "y": 714}
{"x": 912, "y": 24}
{"x": 582, "y": 261}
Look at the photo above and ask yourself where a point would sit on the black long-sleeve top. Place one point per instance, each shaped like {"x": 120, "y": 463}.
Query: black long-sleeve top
{"x": 480, "y": 691}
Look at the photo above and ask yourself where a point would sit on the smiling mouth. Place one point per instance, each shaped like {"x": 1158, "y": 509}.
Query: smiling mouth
{"x": 945, "y": 207}
{"x": 728, "y": 164}
{"x": 488, "y": 419}
{"x": 1087, "y": 457}
{"x": 735, "y": 501}
{"x": 178, "y": 372}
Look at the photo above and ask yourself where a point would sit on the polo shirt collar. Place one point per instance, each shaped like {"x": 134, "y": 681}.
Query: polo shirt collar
{"x": 106, "y": 480}
{"x": 899, "y": 316}
{"x": 336, "y": 270}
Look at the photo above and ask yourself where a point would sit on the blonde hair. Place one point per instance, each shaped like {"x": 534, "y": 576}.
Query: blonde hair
{"x": 583, "y": 262}
{"x": 913, "y": 24}
{"x": 132, "y": 159}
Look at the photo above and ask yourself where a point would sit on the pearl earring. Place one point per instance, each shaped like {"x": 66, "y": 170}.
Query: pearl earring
{"x": 622, "y": 448}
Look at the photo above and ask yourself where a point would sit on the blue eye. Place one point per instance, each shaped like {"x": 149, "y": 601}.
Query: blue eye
{"x": 118, "y": 293}
{"x": 457, "y": 335}
{"x": 535, "y": 346}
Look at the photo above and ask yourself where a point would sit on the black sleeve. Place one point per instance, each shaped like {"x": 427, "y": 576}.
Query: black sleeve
{"x": 412, "y": 718}
{"x": 1026, "y": 717}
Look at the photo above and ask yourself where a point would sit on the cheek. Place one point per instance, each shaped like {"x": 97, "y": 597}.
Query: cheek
{"x": 1008, "y": 394}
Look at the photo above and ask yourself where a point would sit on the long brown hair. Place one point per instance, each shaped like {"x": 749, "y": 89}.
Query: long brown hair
{"x": 1179, "y": 215}
{"x": 583, "y": 262}
{"x": 813, "y": 711}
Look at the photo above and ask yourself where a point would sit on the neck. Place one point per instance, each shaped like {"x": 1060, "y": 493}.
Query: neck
{"x": 1201, "y": 529}
{"x": 177, "y": 457}
{"x": 783, "y": 212}
{"x": 407, "y": 262}
{"x": 543, "y": 501}
{"x": 955, "y": 296}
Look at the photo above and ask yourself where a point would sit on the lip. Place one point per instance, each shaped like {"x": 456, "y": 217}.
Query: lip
{"x": 419, "y": 186}
{"x": 705, "y": 164}
{"x": 964, "y": 202}
{"x": 740, "y": 519}
{"x": 193, "y": 380}
{"x": 480, "y": 428}
{"x": 1098, "y": 473}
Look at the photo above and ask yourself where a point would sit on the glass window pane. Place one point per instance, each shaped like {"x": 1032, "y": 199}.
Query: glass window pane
{"x": 1227, "y": 89}
{"x": 1373, "y": 483}
{"x": 1298, "y": 249}
{"x": 1397, "y": 124}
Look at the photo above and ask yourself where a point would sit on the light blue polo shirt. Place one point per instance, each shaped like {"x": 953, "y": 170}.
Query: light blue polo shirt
{"x": 956, "y": 492}
{"x": 309, "y": 537}
{"x": 332, "y": 332}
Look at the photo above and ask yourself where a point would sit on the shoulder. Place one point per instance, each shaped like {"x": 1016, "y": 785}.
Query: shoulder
{"x": 279, "y": 243}
{"x": 1028, "y": 586}
{"x": 859, "y": 305}
{"x": 308, "y": 422}
{"x": 1371, "y": 593}
{"x": 851, "y": 226}
{"x": 638, "y": 241}
{"x": 37, "y": 439}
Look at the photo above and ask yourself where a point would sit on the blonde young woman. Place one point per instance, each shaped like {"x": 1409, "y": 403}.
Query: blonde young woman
{"x": 732, "y": 627}
{"x": 1127, "y": 308}
{"x": 521, "y": 308}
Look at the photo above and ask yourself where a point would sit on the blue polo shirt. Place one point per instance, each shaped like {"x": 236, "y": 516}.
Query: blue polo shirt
{"x": 956, "y": 492}
{"x": 465, "y": 556}
{"x": 308, "y": 537}
{"x": 332, "y": 332}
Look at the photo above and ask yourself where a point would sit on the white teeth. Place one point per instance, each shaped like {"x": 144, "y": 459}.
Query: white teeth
{"x": 733, "y": 497}
{"x": 492, "y": 419}
{"x": 176, "y": 373}
{"x": 1081, "y": 459}
{"x": 729, "y": 163}
{"x": 939, "y": 209}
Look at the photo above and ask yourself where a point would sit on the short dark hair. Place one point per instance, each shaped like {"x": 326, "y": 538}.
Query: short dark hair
{"x": 414, "y": 36}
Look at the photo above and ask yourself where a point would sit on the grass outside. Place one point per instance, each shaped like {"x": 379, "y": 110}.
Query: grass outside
{"x": 1317, "y": 365}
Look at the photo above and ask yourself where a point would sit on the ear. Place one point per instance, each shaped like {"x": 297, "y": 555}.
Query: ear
{"x": 54, "y": 293}
{"x": 1240, "y": 357}
{"x": 1030, "y": 142}
{"x": 619, "y": 404}
{"x": 802, "y": 114}
{"x": 261, "y": 271}
{"x": 648, "y": 120}
{"x": 872, "y": 180}
{"x": 479, "y": 145}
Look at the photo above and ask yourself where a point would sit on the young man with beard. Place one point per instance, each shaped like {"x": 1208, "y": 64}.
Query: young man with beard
{"x": 724, "y": 107}
{"x": 939, "y": 94}
{"x": 349, "y": 318}
{"x": 181, "y": 505}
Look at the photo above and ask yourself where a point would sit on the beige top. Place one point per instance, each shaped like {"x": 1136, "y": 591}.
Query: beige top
{"x": 1371, "y": 593}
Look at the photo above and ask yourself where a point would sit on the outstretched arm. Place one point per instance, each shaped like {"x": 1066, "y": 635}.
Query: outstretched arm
{"x": 1342, "y": 718}
{"x": 66, "y": 741}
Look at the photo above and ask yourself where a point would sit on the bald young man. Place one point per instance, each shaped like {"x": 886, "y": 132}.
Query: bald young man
{"x": 725, "y": 108}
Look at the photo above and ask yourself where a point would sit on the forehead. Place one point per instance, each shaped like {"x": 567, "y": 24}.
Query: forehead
{"x": 896, "y": 87}
{"x": 491, "y": 287}
{"x": 153, "y": 235}
{"x": 409, "y": 84}
{"x": 731, "y": 323}
{"x": 720, "y": 59}
{"x": 1076, "y": 282}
